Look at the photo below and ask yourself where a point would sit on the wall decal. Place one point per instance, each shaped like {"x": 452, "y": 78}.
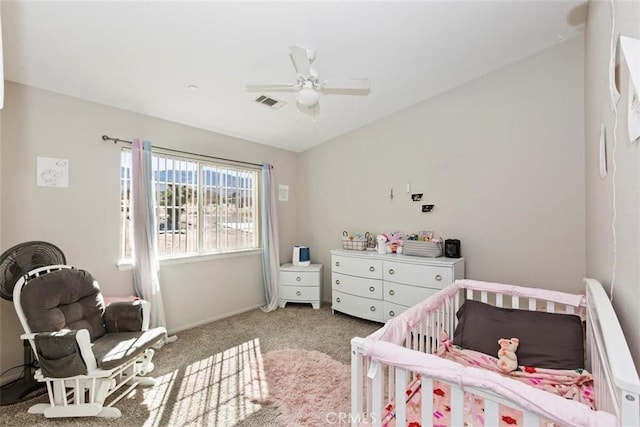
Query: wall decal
{"x": 52, "y": 172}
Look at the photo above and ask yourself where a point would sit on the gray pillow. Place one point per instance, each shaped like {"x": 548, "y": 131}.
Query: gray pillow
{"x": 547, "y": 340}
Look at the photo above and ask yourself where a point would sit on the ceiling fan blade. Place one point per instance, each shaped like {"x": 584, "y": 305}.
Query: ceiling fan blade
{"x": 300, "y": 60}
{"x": 272, "y": 87}
{"x": 350, "y": 84}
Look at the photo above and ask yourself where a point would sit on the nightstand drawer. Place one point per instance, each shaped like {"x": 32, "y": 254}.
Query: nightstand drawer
{"x": 299, "y": 278}
{"x": 299, "y": 293}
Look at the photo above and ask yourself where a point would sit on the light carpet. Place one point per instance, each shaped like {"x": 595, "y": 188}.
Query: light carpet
{"x": 309, "y": 388}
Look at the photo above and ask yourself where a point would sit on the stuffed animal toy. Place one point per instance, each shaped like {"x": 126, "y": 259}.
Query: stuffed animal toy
{"x": 394, "y": 242}
{"x": 507, "y": 360}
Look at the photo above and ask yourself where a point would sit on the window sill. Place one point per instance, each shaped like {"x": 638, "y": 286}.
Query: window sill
{"x": 127, "y": 264}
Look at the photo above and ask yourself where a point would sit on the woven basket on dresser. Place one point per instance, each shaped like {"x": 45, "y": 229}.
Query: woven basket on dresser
{"x": 419, "y": 248}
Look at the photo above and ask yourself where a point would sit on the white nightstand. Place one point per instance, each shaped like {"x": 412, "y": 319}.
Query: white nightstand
{"x": 300, "y": 284}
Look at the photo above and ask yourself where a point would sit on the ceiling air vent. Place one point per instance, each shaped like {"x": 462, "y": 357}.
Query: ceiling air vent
{"x": 270, "y": 102}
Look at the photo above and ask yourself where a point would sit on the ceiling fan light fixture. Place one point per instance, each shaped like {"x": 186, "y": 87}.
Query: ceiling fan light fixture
{"x": 308, "y": 96}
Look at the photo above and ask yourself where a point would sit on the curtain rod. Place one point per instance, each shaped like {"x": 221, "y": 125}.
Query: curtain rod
{"x": 116, "y": 140}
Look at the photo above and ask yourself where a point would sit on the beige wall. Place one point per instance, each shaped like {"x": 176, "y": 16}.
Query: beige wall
{"x": 599, "y": 192}
{"x": 83, "y": 219}
{"x": 502, "y": 159}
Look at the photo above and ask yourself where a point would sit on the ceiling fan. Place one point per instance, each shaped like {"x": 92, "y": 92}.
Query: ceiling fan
{"x": 308, "y": 86}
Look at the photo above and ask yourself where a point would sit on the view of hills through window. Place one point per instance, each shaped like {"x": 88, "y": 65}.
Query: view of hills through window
{"x": 200, "y": 207}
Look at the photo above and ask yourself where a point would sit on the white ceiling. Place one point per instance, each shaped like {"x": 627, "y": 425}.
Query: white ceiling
{"x": 141, "y": 56}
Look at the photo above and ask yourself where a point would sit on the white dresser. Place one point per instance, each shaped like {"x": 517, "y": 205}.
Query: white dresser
{"x": 300, "y": 284}
{"x": 379, "y": 287}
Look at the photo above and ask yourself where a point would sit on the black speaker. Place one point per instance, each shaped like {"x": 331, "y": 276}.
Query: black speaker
{"x": 452, "y": 248}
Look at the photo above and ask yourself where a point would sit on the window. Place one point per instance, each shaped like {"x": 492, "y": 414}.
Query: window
{"x": 201, "y": 207}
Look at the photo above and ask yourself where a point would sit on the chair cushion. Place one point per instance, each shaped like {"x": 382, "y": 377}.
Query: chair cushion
{"x": 66, "y": 298}
{"x": 113, "y": 349}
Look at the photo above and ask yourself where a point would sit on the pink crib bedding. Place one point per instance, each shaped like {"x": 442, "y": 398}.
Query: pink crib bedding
{"x": 575, "y": 385}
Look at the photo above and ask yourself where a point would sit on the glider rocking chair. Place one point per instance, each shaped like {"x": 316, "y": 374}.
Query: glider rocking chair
{"x": 86, "y": 352}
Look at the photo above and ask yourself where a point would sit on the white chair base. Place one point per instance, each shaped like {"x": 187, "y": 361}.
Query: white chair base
{"x": 85, "y": 396}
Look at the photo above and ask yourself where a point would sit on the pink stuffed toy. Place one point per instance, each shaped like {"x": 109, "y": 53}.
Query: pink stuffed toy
{"x": 507, "y": 360}
{"x": 394, "y": 242}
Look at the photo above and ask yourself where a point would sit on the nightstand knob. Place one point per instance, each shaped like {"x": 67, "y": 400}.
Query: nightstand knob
{"x": 391, "y": 292}
{"x": 372, "y": 289}
{"x": 337, "y": 299}
{"x": 438, "y": 277}
{"x": 391, "y": 271}
{"x": 337, "y": 263}
{"x": 337, "y": 281}
{"x": 298, "y": 278}
{"x": 372, "y": 308}
{"x": 298, "y": 293}
{"x": 392, "y": 313}
{"x": 372, "y": 268}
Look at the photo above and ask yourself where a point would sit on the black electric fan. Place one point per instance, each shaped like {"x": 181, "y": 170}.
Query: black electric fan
{"x": 14, "y": 264}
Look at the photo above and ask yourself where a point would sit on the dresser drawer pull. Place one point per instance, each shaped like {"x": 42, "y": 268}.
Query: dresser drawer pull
{"x": 337, "y": 299}
{"x": 337, "y": 281}
{"x": 337, "y": 263}
{"x": 298, "y": 278}
{"x": 391, "y": 271}
{"x": 372, "y": 268}
{"x": 372, "y": 289}
{"x": 392, "y": 292}
{"x": 372, "y": 308}
{"x": 298, "y": 293}
{"x": 392, "y": 313}
{"x": 438, "y": 277}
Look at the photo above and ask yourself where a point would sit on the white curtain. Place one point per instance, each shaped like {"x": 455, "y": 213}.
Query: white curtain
{"x": 271, "y": 247}
{"x": 145, "y": 238}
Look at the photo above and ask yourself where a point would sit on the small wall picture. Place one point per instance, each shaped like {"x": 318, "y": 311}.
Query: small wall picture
{"x": 427, "y": 208}
{"x": 283, "y": 193}
{"x": 52, "y": 172}
{"x": 416, "y": 197}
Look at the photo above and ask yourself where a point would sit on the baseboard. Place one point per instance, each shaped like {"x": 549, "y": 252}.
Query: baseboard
{"x": 212, "y": 319}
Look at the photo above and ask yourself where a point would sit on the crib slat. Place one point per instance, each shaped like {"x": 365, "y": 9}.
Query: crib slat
{"x": 457, "y": 407}
{"x": 570, "y": 309}
{"x": 551, "y": 307}
{"x": 530, "y": 420}
{"x": 483, "y": 297}
{"x": 491, "y": 413}
{"x": 427, "y": 401}
{"x": 376, "y": 397}
{"x": 401, "y": 402}
{"x": 515, "y": 301}
{"x": 499, "y": 302}
{"x": 532, "y": 304}
{"x": 356, "y": 380}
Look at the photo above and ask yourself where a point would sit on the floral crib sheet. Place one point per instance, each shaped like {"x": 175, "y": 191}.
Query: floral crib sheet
{"x": 570, "y": 384}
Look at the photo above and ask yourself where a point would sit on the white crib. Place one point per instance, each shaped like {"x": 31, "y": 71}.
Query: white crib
{"x": 386, "y": 362}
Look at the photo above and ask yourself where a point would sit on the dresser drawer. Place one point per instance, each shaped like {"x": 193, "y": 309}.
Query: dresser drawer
{"x": 363, "y": 267}
{"x": 368, "y": 288}
{"x": 299, "y": 278}
{"x": 406, "y": 295}
{"x": 299, "y": 293}
{"x": 391, "y": 310}
{"x": 365, "y": 308}
{"x": 418, "y": 275}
